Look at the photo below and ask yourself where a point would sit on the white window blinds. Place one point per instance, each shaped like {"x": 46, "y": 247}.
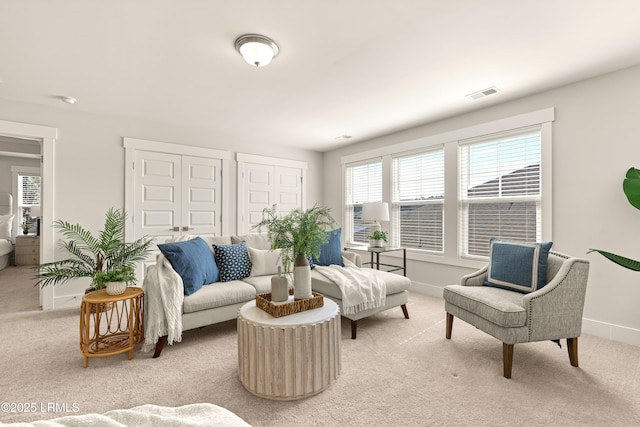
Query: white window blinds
{"x": 28, "y": 190}
{"x": 500, "y": 189}
{"x": 363, "y": 184}
{"x": 418, "y": 200}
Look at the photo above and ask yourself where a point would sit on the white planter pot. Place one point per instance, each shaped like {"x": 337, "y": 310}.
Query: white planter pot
{"x": 376, "y": 243}
{"x": 116, "y": 288}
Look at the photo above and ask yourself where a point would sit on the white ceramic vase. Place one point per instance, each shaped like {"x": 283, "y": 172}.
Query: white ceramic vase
{"x": 116, "y": 288}
{"x": 302, "y": 278}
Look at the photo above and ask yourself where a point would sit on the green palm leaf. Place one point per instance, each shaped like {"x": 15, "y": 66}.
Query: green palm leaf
{"x": 620, "y": 260}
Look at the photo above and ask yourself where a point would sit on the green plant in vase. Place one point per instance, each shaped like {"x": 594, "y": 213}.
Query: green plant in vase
{"x": 298, "y": 234}
{"x": 377, "y": 237}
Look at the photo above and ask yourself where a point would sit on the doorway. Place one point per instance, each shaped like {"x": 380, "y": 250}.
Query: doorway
{"x": 45, "y": 137}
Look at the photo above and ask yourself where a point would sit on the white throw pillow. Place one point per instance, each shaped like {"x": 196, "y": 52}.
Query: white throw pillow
{"x": 264, "y": 262}
{"x": 6, "y": 221}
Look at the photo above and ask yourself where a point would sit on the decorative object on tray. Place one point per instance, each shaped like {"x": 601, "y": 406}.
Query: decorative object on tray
{"x": 279, "y": 287}
{"x": 298, "y": 234}
{"x": 91, "y": 256}
{"x": 376, "y": 239}
{"x": 264, "y": 302}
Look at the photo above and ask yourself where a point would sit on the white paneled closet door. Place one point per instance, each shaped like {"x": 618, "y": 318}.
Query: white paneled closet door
{"x": 175, "y": 195}
{"x": 262, "y": 185}
{"x": 201, "y": 196}
{"x": 258, "y": 193}
{"x": 288, "y": 188}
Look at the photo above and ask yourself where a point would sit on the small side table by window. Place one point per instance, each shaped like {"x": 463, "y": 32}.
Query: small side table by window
{"x": 111, "y": 324}
{"x": 375, "y": 252}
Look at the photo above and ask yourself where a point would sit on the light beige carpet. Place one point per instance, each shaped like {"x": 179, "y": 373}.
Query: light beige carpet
{"x": 398, "y": 372}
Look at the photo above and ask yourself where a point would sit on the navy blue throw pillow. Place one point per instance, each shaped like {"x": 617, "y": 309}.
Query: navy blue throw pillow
{"x": 331, "y": 252}
{"x": 233, "y": 261}
{"x": 517, "y": 266}
{"x": 193, "y": 261}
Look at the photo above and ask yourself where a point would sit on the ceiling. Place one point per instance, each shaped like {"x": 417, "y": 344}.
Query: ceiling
{"x": 359, "y": 67}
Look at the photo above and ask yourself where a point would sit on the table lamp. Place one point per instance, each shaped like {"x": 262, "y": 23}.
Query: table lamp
{"x": 375, "y": 212}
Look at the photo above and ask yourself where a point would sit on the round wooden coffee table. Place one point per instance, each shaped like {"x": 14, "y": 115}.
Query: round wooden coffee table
{"x": 289, "y": 357}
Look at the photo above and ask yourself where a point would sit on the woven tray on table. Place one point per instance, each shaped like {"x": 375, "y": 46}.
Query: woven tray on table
{"x": 263, "y": 301}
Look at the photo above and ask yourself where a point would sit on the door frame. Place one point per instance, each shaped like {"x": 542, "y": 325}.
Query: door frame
{"x": 47, "y": 136}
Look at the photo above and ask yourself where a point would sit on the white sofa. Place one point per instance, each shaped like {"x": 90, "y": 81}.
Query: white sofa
{"x": 220, "y": 302}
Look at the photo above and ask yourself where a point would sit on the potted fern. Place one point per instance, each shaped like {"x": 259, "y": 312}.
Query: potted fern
{"x": 101, "y": 258}
{"x": 299, "y": 235}
{"x": 631, "y": 188}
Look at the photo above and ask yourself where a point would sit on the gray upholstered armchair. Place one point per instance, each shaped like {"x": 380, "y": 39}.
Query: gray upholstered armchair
{"x": 550, "y": 313}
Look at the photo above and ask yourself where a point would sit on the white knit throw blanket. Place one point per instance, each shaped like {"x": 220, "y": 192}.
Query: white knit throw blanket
{"x": 164, "y": 295}
{"x": 361, "y": 289}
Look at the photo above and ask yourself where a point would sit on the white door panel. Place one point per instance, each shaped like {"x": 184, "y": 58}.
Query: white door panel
{"x": 201, "y": 189}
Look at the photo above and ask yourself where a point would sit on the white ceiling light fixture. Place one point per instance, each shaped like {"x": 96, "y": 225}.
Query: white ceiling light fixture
{"x": 257, "y": 50}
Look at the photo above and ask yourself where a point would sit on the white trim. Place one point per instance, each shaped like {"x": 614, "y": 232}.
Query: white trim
{"x": 522, "y": 120}
{"x": 166, "y": 147}
{"x": 273, "y": 161}
{"x": 15, "y": 171}
{"x": 611, "y": 331}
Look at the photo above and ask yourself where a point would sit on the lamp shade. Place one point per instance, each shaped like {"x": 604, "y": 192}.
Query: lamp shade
{"x": 257, "y": 50}
{"x": 375, "y": 211}
{"x": 35, "y": 212}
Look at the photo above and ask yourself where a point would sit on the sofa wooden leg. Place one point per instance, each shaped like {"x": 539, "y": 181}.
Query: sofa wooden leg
{"x": 507, "y": 359}
{"x": 572, "y": 346}
{"x": 449, "y": 325}
{"x": 354, "y": 329}
{"x": 159, "y": 346}
{"x": 405, "y": 311}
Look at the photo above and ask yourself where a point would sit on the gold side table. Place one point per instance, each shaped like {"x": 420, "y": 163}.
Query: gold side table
{"x": 111, "y": 324}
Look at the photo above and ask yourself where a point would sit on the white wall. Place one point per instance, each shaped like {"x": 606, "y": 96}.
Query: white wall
{"x": 595, "y": 141}
{"x": 89, "y": 164}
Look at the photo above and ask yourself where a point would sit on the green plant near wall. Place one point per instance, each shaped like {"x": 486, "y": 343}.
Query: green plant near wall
{"x": 631, "y": 188}
{"x": 94, "y": 256}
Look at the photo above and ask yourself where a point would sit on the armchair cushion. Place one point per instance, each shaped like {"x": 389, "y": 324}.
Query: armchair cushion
{"x": 517, "y": 266}
{"x": 499, "y": 306}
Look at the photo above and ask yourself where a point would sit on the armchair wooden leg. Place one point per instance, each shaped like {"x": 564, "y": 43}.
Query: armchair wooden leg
{"x": 572, "y": 346}
{"x": 405, "y": 311}
{"x": 354, "y": 329}
{"x": 507, "y": 359}
{"x": 159, "y": 346}
{"x": 449, "y": 325}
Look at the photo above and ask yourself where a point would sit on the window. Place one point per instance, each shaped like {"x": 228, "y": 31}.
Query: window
{"x": 28, "y": 196}
{"x": 500, "y": 189}
{"x": 449, "y": 193}
{"x": 418, "y": 200}
{"x": 363, "y": 184}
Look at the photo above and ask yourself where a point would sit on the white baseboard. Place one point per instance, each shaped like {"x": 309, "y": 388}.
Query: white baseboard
{"x": 426, "y": 289}
{"x": 67, "y": 301}
{"x": 611, "y": 331}
{"x": 589, "y": 326}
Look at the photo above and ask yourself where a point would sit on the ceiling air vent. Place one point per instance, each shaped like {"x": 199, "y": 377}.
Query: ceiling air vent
{"x": 484, "y": 92}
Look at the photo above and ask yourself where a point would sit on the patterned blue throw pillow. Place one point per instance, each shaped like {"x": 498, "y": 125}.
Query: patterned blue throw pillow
{"x": 517, "y": 266}
{"x": 233, "y": 261}
{"x": 193, "y": 261}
